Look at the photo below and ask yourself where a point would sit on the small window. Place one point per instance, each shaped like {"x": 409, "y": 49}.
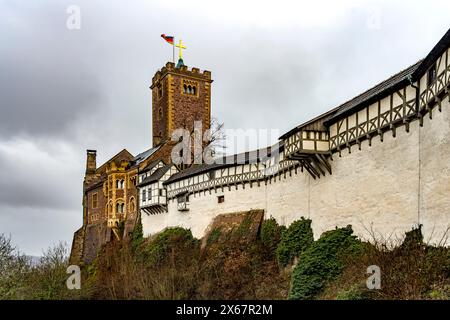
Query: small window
{"x": 212, "y": 175}
{"x": 221, "y": 199}
{"x": 183, "y": 198}
{"x": 160, "y": 91}
{"x": 431, "y": 75}
{"x": 194, "y": 90}
{"x": 144, "y": 195}
{"x": 120, "y": 207}
{"x": 160, "y": 113}
{"x": 120, "y": 184}
{"x": 149, "y": 194}
{"x": 160, "y": 192}
{"x": 95, "y": 200}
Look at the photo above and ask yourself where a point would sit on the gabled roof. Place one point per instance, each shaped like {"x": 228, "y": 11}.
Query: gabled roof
{"x": 122, "y": 154}
{"x": 434, "y": 54}
{"x": 155, "y": 176}
{"x": 254, "y": 156}
{"x": 150, "y": 165}
{"x": 375, "y": 93}
{"x": 144, "y": 155}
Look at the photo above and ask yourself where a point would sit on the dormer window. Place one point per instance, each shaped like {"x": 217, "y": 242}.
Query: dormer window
{"x": 431, "y": 75}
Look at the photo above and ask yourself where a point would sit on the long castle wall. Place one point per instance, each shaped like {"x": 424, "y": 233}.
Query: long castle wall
{"x": 384, "y": 189}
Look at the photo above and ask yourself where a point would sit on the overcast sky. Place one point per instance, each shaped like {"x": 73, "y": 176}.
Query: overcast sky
{"x": 275, "y": 64}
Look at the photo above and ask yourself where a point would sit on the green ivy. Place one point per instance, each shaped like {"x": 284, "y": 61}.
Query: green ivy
{"x": 271, "y": 233}
{"x": 321, "y": 262}
{"x": 158, "y": 249}
{"x": 296, "y": 239}
{"x": 137, "y": 236}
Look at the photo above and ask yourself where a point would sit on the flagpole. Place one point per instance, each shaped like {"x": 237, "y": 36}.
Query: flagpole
{"x": 173, "y": 50}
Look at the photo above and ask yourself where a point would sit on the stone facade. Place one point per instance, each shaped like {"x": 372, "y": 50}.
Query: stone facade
{"x": 179, "y": 97}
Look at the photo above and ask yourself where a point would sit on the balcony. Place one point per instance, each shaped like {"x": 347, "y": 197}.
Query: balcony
{"x": 312, "y": 149}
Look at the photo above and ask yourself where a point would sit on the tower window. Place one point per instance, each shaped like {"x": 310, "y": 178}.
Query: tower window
{"x": 120, "y": 184}
{"x": 160, "y": 91}
{"x": 190, "y": 87}
{"x": 221, "y": 199}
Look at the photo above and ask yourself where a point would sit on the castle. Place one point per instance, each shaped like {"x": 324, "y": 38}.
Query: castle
{"x": 380, "y": 162}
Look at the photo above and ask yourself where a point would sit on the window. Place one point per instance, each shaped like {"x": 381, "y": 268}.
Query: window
{"x": 132, "y": 205}
{"x": 160, "y": 113}
{"x": 120, "y": 207}
{"x": 95, "y": 200}
{"x": 120, "y": 184}
{"x": 144, "y": 195}
{"x": 431, "y": 76}
{"x": 212, "y": 174}
{"x": 160, "y": 192}
{"x": 221, "y": 199}
{"x": 190, "y": 87}
{"x": 149, "y": 194}
{"x": 160, "y": 91}
{"x": 183, "y": 198}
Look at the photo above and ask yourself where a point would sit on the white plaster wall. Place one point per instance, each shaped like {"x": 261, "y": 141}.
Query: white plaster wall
{"x": 435, "y": 174}
{"x": 377, "y": 189}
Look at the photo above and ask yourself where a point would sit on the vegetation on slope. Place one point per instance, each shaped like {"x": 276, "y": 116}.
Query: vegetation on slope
{"x": 273, "y": 262}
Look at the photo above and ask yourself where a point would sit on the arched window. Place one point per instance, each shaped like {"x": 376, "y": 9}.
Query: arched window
{"x": 185, "y": 88}
{"x": 189, "y": 89}
{"x": 194, "y": 90}
{"x": 120, "y": 184}
{"x": 132, "y": 205}
{"x": 120, "y": 207}
{"x": 160, "y": 113}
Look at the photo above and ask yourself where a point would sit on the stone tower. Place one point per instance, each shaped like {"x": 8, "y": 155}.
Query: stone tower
{"x": 179, "y": 97}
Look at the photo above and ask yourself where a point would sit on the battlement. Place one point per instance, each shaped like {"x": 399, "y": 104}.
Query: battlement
{"x": 170, "y": 67}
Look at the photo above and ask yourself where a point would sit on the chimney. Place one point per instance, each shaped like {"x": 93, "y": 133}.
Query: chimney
{"x": 91, "y": 162}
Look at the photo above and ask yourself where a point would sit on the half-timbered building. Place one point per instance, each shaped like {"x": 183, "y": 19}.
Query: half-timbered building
{"x": 380, "y": 162}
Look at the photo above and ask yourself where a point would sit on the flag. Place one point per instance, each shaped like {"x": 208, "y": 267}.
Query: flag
{"x": 169, "y": 39}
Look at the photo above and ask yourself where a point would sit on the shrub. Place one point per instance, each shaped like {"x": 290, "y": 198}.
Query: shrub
{"x": 296, "y": 239}
{"x": 213, "y": 236}
{"x": 322, "y": 262}
{"x": 177, "y": 238}
{"x": 271, "y": 233}
{"x": 137, "y": 237}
